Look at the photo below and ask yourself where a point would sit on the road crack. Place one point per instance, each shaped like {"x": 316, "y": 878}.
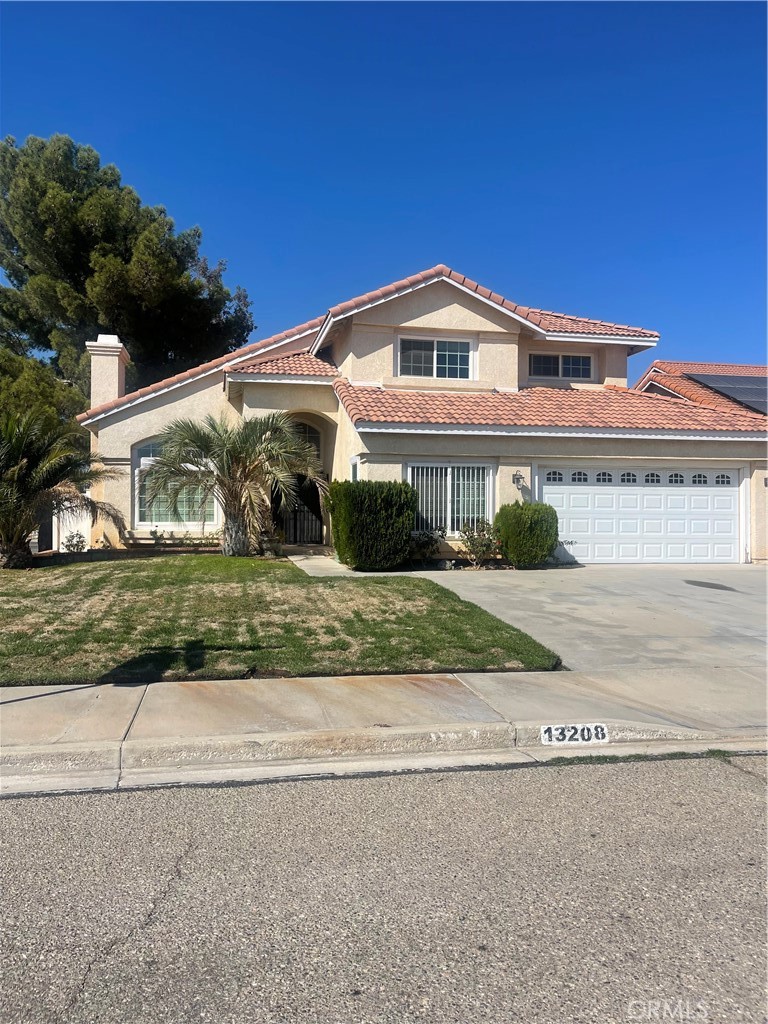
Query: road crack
{"x": 121, "y": 940}
{"x": 743, "y": 769}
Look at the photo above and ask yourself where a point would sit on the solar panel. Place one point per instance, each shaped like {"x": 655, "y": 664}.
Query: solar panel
{"x": 749, "y": 391}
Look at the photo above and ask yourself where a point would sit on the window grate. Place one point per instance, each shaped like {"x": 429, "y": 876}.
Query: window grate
{"x": 449, "y": 496}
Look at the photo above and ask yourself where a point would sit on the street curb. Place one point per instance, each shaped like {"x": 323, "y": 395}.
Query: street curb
{"x": 302, "y": 746}
{"x": 272, "y": 756}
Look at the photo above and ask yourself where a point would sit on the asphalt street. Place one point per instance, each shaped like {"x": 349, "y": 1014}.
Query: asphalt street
{"x": 546, "y": 895}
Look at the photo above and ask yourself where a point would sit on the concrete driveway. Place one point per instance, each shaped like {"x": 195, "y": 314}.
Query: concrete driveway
{"x": 687, "y": 640}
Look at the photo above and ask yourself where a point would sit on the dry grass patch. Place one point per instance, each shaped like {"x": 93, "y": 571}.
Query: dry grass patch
{"x": 208, "y": 617}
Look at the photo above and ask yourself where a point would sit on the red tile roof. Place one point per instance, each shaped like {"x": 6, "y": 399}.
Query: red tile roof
{"x": 198, "y": 371}
{"x": 617, "y": 408}
{"x": 544, "y": 318}
{"x": 298, "y": 364}
{"x": 671, "y": 375}
{"x": 733, "y": 369}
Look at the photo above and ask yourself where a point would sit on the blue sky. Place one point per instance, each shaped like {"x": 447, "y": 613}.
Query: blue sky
{"x": 600, "y": 159}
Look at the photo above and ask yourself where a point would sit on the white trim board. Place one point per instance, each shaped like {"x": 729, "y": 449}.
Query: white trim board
{"x": 372, "y": 427}
{"x": 280, "y": 378}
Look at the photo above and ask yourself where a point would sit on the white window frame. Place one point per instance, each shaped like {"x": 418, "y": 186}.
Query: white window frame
{"x": 194, "y": 526}
{"x": 434, "y": 339}
{"x": 559, "y": 376}
{"x": 450, "y": 465}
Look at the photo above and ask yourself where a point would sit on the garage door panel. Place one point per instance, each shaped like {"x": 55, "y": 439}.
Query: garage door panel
{"x": 653, "y": 501}
{"x": 646, "y": 514}
{"x": 629, "y": 526}
{"x": 605, "y": 501}
{"x": 629, "y": 502}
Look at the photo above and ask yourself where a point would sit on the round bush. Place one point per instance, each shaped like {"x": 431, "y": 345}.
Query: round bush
{"x": 527, "y": 532}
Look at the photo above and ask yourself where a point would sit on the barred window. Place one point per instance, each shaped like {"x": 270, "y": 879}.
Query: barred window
{"x": 450, "y": 496}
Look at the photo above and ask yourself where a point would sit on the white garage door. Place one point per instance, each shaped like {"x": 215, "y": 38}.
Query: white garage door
{"x": 645, "y": 514}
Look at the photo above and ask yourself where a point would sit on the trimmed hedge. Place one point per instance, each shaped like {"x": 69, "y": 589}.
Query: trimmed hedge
{"x": 372, "y": 522}
{"x": 527, "y": 532}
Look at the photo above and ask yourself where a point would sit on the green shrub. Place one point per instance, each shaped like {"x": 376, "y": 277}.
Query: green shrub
{"x": 527, "y": 532}
{"x": 479, "y": 541}
{"x": 372, "y": 522}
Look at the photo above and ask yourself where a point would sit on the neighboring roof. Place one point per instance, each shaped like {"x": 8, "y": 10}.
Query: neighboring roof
{"x": 545, "y": 321}
{"x": 609, "y": 408}
{"x": 674, "y": 377}
{"x": 297, "y": 364}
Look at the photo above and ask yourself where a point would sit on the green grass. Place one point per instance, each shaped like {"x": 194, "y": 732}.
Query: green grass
{"x": 208, "y": 617}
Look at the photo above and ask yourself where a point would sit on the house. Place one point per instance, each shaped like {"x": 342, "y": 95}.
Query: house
{"x": 716, "y": 385}
{"x": 476, "y": 401}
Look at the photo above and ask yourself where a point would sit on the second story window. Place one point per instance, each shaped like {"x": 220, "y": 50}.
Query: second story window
{"x": 421, "y": 358}
{"x": 561, "y": 367}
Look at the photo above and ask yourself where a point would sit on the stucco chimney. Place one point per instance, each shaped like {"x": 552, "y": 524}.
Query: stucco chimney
{"x": 109, "y": 358}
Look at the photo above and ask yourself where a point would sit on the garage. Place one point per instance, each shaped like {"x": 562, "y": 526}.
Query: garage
{"x": 653, "y": 513}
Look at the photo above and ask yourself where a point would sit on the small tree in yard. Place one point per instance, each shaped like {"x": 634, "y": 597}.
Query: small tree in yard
{"x": 480, "y": 542}
{"x": 44, "y": 471}
{"x": 241, "y": 465}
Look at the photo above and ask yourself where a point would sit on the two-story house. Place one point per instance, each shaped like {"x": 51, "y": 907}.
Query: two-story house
{"x": 476, "y": 401}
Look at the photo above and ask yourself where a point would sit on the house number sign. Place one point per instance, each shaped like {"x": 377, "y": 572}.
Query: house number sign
{"x": 565, "y": 735}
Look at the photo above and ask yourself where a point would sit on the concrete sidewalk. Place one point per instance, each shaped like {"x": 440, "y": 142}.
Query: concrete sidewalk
{"x": 107, "y": 737}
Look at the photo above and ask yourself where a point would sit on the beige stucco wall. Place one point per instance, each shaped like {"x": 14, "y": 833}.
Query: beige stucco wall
{"x": 758, "y": 493}
{"x": 365, "y": 347}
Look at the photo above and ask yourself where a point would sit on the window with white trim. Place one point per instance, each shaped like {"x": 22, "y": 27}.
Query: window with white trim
{"x": 699, "y": 478}
{"x": 604, "y": 477}
{"x": 579, "y": 477}
{"x": 629, "y": 478}
{"x": 158, "y": 512}
{"x": 562, "y": 367}
{"x": 450, "y": 496}
{"x": 675, "y": 478}
{"x": 435, "y": 358}
{"x": 309, "y": 434}
{"x": 722, "y": 479}
{"x": 653, "y": 478}
{"x": 554, "y": 476}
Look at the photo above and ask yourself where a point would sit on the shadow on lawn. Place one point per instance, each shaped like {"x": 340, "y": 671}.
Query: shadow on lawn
{"x": 152, "y": 664}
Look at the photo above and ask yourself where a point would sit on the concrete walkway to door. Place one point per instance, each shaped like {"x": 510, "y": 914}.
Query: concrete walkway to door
{"x": 688, "y": 639}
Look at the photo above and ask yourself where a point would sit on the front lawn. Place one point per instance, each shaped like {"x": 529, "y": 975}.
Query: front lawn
{"x": 208, "y": 617}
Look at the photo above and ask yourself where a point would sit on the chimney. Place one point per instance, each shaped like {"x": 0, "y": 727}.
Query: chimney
{"x": 109, "y": 358}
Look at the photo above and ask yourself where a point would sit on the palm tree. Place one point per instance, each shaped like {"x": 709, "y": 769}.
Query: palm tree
{"x": 44, "y": 471}
{"x": 240, "y": 465}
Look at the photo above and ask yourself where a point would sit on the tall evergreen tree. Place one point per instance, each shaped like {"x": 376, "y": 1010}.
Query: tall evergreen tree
{"x": 82, "y": 254}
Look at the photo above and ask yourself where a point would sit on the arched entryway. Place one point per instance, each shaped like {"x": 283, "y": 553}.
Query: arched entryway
{"x": 303, "y": 524}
